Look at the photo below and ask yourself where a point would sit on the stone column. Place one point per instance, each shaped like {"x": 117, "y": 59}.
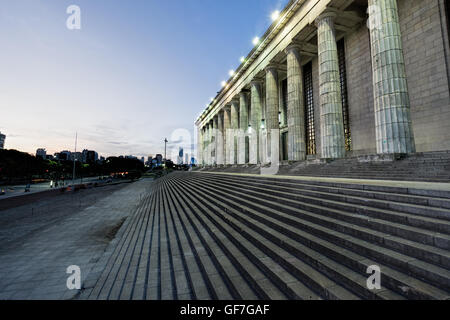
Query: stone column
{"x": 255, "y": 121}
{"x": 331, "y": 119}
{"x": 206, "y": 145}
{"x": 272, "y": 107}
{"x": 199, "y": 146}
{"x": 220, "y": 135}
{"x": 226, "y": 129}
{"x": 295, "y": 105}
{"x": 215, "y": 134}
{"x": 209, "y": 143}
{"x": 393, "y": 127}
{"x": 234, "y": 130}
{"x": 243, "y": 127}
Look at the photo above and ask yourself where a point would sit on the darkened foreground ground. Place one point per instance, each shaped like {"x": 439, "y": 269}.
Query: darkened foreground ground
{"x": 39, "y": 240}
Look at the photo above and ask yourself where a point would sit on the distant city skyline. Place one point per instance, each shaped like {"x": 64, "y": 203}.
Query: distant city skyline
{"x": 134, "y": 74}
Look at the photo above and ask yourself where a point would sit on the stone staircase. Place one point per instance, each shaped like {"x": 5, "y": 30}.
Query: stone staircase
{"x": 429, "y": 166}
{"x": 215, "y": 236}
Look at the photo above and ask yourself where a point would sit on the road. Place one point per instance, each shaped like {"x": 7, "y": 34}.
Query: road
{"x": 17, "y": 190}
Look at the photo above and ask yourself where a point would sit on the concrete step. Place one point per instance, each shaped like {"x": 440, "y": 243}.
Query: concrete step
{"x": 349, "y": 185}
{"x": 108, "y": 278}
{"x": 274, "y": 286}
{"x": 286, "y": 264}
{"x": 426, "y": 290}
{"x": 390, "y": 194}
{"x": 348, "y": 279}
{"x": 427, "y": 166}
{"x": 423, "y": 207}
{"x": 371, "y": 229}
{"x": 210, "y": 236}
{"x": 231, "y": 264}
{"x": 356, "y": 243}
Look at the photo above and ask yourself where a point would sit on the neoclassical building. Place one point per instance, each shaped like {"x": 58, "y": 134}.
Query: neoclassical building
{"x": 336, "y": 78}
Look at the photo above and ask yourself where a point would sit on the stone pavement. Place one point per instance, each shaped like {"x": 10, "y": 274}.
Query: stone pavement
{"x": 39, "y": 241}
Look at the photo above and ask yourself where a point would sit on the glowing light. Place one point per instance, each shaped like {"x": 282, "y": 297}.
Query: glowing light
{"x": 242, "y": 59}
{"x": 275, "y": 15}
{"x": 212, "y": 99}
{"x": 223, "y": 83}
{"x": 231, "y": 73}
{"x": 255, "y": 41}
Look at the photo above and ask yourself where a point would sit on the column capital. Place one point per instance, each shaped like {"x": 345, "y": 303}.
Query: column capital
{"x": 235, "y": 100}
{"x": 272, "y": 67}
{"x": 226, "y": 107}
{"x": 243, "y": 93}
{"x": 256, "y": 82}
{"x": 326, "y": 14}
{"x": 295, "y": 47}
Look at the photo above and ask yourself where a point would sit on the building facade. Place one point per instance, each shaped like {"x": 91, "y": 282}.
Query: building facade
{"x": 41, "y": 152}
{"x": 2, "y": 141}
{"x": 336, "y": 78}
{"x": 89, "y": 156}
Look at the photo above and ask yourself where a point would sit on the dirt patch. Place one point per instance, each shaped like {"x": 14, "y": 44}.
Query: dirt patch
{"x": 108, "y": 233}
{"x": 112, "y": 231}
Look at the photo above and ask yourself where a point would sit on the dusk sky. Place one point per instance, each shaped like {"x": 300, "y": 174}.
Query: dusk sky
{"x": 135, "y": 72}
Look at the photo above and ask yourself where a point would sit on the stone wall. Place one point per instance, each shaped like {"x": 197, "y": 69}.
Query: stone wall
{"x": 426, "y": 69}
{"x": 315, "y": 75}
{"x": 360, "y": 91}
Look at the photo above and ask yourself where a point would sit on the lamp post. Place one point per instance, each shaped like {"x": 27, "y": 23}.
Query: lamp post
{"x": 73, "y": 176}
{"x": 165, "y": 151}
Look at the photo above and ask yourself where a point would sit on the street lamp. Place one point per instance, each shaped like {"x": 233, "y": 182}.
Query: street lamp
{"x": 73, "y": 176}
{"x": 165, "y": 151}
{"x": 275, "y": 15}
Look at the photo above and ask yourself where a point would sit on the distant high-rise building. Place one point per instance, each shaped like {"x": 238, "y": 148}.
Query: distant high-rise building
{"x": 41, "y": 152}
{"x": 63, "y": 155}
{"x": 77, "y": 155}
{"x": 149, "y": 161}
{"x": 89, "y": 156}
{"x": 180, "y": 156}
{"x": 2, "y": 141}
{"x": 159, "y": 159}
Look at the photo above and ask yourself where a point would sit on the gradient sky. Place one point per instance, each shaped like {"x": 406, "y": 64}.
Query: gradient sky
{"x": 135, "y": 72}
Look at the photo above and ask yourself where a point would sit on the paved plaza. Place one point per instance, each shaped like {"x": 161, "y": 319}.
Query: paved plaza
{"x": 41, "y": 239}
